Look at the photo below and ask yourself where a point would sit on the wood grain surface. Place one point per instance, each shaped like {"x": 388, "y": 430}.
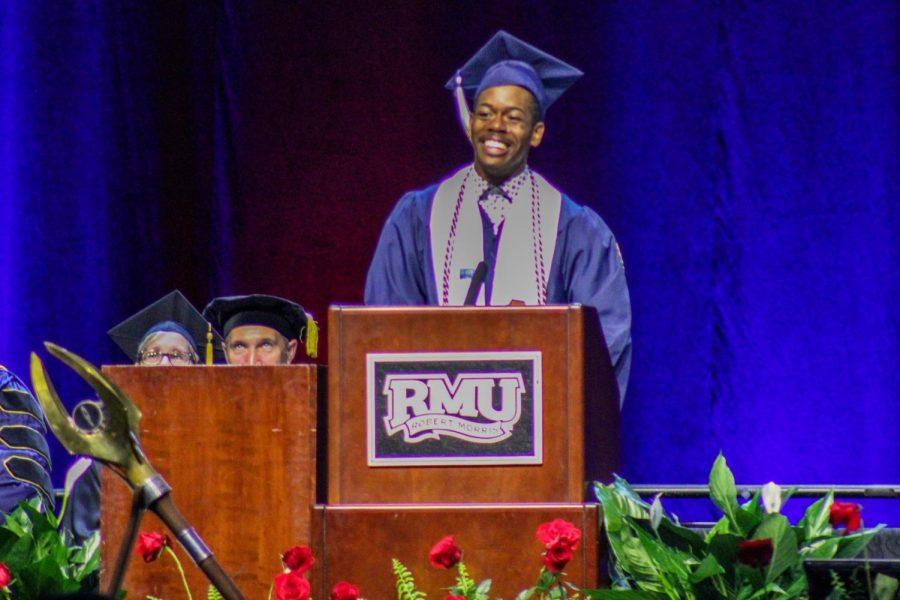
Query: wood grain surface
{"x": 580, "y": 404}
{"x": 356, "y": 544}
{"x": 238, "y": 447}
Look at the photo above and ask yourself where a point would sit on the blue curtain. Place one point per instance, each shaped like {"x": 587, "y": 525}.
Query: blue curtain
{"x": 104, "y": 174}
{"x": 749, "y": 163}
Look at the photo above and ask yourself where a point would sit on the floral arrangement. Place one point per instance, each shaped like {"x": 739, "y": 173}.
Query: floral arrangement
{"x": 560, "y": 539}
{"x": 290, "y": 584}
{"x": 38, "y": 557}
{"x": 751, "y": 552}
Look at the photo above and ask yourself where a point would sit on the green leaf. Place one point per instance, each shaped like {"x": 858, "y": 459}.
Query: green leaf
{"x": 770, "y": 588}
{"x": 681, "y": 538}
{"x": 798, "y": 588}
{"x": 720, "y": 528}
{"x": 622, "y": 594}
{"x": 213, "y": 594}
{"x": 465, "y": 585}
{"x": 854, "y": 543}
{"x": 546, "y": 579}
{"x": 749, "y": 575}
{"x": 785, "y": 555}
{"x": 619, "y": 498}
{"x": 886, "y": 588}
{"x": 753, "y": 505}
{"x": 637, "y": 563}
{"x": 43, "y": 578}
{"x": 722, "y": 490}
{"x": 526, "y": 594}
{"x": 483, "y": 589}
{"x": 821, "y": 549}
{"x": 405, "y": 584}
{"x": 786, "y": 494}
{"x": 673, "y": 564}
{"x": 709, "y": 567}
{"x": 20, "y": 554}
{"x": 815, "y": 521}
{"x": 723, "y": 493}
{"x": 724, "y": 547}
{"x": 89, "y": 562}
{"x": 672, "y": 568}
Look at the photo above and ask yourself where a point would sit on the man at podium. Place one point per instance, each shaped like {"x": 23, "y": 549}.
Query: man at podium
{"x": 495, "y": 232}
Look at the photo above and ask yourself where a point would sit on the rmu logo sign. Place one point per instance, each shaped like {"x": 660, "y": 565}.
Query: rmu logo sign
{"x": 427, "y": 406}
{"x": 454, "y": 408}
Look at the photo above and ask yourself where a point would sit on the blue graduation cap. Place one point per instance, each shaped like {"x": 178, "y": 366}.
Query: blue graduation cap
{"x": 171, "y": 313}
{"x": 507, "y": 60}
{"x": 287, "y": 318}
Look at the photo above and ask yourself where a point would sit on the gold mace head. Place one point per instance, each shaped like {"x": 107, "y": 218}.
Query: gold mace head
{"x": 114, "y": 441}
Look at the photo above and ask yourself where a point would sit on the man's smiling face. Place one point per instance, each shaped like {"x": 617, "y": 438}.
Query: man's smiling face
{"x": 504, "y": 126}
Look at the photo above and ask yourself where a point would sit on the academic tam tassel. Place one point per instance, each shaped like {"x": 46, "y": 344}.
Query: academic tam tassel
{"x": 209, "y": 344}
{"x": 312, "y": 337}
{"x": 462, "y": 107}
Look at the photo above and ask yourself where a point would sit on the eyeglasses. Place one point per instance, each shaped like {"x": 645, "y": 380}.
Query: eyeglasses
{"x": 175, "y": 358}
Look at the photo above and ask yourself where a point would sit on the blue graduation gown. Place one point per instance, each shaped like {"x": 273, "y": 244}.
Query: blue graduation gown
{"x": 24, "y": 455}
{"x": 586, "y": 269}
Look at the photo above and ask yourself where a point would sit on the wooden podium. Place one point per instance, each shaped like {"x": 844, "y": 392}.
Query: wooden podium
{"x": 493, "y": 507}
{"x": 526, "y": 396}
{"x": 238, "y": 447}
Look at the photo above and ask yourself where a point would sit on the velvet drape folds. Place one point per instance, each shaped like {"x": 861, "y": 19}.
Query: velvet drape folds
{"x": 744, "y": 153}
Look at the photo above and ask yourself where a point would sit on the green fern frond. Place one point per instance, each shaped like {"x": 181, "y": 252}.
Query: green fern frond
{"x": 465, "y": 585}
{"x": 213, "y": 594}
{"x": 838, "y": 591}
{"x": 406, "y": 585}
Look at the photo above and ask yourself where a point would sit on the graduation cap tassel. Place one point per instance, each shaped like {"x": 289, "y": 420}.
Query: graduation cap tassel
{"x": 312, "y": 337}
{"x": 462, "y": 107}
{"x": 209, "y": 344}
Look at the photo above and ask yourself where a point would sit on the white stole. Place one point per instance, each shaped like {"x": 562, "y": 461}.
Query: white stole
{"x": 525, "y": 250}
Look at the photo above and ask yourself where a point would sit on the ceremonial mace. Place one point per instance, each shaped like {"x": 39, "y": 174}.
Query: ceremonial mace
{"x": 113, "y": 440}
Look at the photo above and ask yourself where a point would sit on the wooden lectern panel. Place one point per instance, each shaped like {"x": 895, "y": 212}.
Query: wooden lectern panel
{"x": 580, "y": 402}
{"x": 356, "y": 543}
{"x": 238, "y": 447}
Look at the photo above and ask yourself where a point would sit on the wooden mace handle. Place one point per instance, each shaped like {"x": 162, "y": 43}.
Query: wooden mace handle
{"x": 166, "y": 510}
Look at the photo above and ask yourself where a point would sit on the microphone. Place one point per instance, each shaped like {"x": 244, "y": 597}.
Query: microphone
{"x": 475, "y": 286}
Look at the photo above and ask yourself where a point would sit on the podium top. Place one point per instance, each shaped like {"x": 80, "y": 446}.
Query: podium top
{"x": 550, "y": 308}
{"x": 466, "y": 404}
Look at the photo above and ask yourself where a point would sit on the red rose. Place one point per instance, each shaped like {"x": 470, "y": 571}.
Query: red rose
{"x": 755, "y": 553}
{"x": 149, "y": 545}
{"x": 452, "y": 597}
{"x": 845, "y": 514}
{"x": 445, "y": 554}
{"x": 344, "y": 591}
{"x": 557, "y": 557}
{"x": 559, "y": 532}
{"x": 291, "y": 586}
{"x": 4, "y": 575}
{"x": 298, "y": 558}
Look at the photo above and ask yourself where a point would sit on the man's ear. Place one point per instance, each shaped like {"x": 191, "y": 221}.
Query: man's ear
{"x": 291, "y": 351}
{"x": 537, "y": 134}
